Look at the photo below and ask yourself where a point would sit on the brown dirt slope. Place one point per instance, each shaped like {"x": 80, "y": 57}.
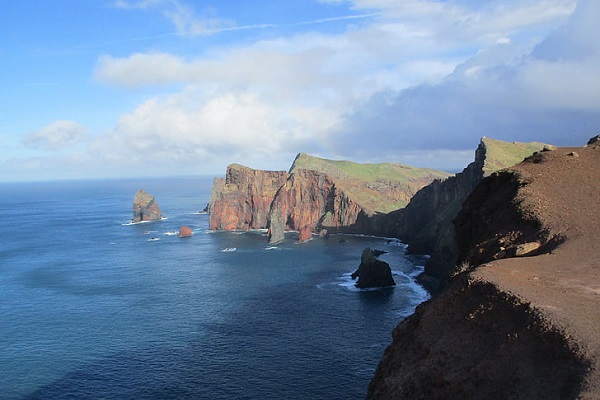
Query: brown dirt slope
{"x": 523, "y": 321}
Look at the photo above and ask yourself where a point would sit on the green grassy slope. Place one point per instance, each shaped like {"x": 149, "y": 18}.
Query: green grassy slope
{"x": 501, "y": 154}
{"x": 373, "y": 186}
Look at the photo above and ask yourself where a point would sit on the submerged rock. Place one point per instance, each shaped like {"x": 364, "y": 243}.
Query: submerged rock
{"x": 372, "y": 272}
{"x": 145, "y": 208}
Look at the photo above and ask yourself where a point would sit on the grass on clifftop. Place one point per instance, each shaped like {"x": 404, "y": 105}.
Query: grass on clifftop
{"x": 386, "y": 172}
{"x": 501, "y": 154}
{"x": 380, "y": 187}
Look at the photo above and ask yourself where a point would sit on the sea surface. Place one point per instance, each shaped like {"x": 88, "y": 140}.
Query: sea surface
{"x": 94, "y": 307}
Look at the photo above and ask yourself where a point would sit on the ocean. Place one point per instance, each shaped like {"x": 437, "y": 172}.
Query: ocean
{"x": 94, "y": 307}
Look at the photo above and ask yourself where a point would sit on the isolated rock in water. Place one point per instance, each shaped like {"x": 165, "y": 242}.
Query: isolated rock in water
{"x": 276, "y": 228}
{"x": 305, "y": 234}
{"x": 372, "y": 272}
{"x": 145, "y": 208}
{"x": 185, "y": 231}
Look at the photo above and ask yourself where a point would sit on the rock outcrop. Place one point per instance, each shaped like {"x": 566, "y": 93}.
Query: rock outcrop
{"x": 145, "y": 208}
{"x": 185, "y": 231}
{"x": 315, "y": 195}
{"x": 519, "y": 318}
{"x": 426, "y": 222}
{"x": 243, "y": 200}
{"x": 372, "y": 272}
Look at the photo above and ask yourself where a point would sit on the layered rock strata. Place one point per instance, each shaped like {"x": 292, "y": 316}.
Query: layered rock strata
{"x": 519, "y": 319}
{"x": 145, "y": 207}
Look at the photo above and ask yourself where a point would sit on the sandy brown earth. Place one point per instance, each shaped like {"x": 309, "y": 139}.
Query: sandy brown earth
{"x": 564, "y": 194}
{"x": 525, "y": 327}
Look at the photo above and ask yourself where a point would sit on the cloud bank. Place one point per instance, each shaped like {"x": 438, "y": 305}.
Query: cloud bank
{"x": 417, "y": 82}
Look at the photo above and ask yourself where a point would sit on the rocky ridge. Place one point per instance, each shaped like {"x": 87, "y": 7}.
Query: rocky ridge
{"x": 519, "y": 319}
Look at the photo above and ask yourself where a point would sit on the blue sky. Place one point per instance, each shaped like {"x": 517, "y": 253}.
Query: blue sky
{"x": 126, "y": 88}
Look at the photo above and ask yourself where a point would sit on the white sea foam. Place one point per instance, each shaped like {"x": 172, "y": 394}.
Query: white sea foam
{"x": 405, "y": 282}
{"x": 136, "y": 223}
{"x": 171, "y": 233}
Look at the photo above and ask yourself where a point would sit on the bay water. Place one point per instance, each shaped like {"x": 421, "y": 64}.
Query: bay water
{"x": 94, "y": 307}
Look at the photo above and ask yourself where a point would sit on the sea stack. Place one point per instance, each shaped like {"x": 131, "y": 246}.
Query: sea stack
{"x": 372, "y": 272}
{"x": 145, "y": 208}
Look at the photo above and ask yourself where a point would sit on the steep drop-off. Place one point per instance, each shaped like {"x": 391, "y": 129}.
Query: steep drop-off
{"x": 520, "y": 321}
{"x": 243, "y": 199}
{"x": 426, "y": 222}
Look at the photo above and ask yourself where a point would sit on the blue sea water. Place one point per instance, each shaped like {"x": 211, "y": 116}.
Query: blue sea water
{"x": 93, "y": 307}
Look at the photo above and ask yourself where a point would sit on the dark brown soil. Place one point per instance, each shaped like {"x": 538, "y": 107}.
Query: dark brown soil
{"x": 520, "y": 327}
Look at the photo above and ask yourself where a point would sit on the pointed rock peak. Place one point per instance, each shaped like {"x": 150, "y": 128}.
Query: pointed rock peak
{"x": 305, "y": 161}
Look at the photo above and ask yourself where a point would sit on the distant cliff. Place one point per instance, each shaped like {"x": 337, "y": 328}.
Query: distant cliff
{"x": 518, "y": 319}
{"x": 425, "y": 224}
{"x": 243, "y": 199}
{"x": 315, "y": 195}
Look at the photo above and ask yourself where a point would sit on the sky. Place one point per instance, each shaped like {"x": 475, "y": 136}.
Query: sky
{"x": 142, "y": 88}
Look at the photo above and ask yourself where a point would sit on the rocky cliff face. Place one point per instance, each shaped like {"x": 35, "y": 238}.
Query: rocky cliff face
{"x": 316, "y": 195}
{"x": 426, "y": 222}
{"x": 145, "y": 208}
{"x": 243, "y": 200}
{"x": 519, "y": 319}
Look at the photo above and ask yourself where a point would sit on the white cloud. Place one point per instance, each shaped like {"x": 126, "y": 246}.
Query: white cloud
{"x": 56, "y": 136}
{"x": 418, "y": 76}
{"x": 194, "y": 128}
{"x": 186, "y": 20}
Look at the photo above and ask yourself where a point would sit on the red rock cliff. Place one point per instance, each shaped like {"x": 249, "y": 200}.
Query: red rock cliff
{"x": 243, "y": 200}
{"x": 316, "y": 194}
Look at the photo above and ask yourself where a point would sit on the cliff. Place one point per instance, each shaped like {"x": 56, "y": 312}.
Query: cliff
{"x": 426, "y": 222}
{"x": 243, "y": 199}
{"x": 315, "y": 195}
{"x": 145, "y": 207}
{"x": 519, "y": 319}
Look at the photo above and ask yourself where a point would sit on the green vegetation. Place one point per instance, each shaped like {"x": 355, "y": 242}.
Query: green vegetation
{"x": 383, "y": 172}
{"x": 501, "y": 154}
{"x": 376, "y": 187}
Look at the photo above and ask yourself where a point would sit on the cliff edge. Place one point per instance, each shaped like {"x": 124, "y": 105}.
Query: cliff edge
{"x": 426, "y": 222}
{"x": 519, "y": 319}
